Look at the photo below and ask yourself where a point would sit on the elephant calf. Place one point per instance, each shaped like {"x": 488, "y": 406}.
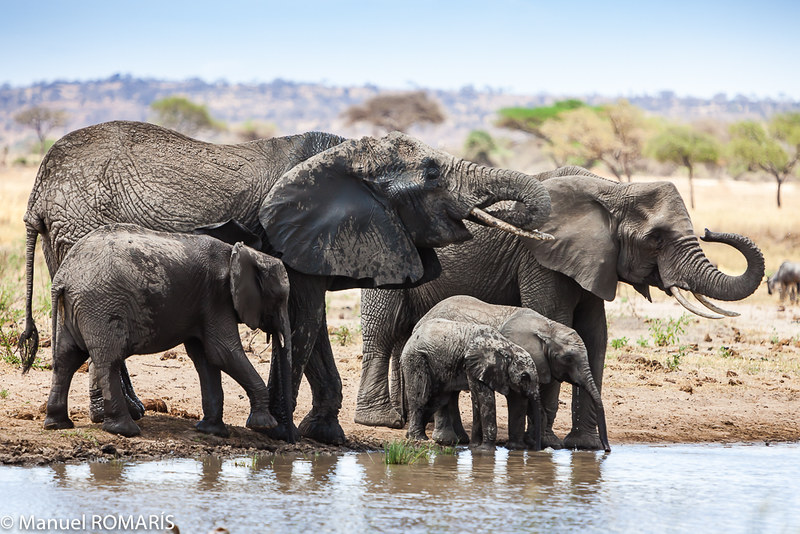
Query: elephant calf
{"x": 443, "y": 358}
{"x": 124, "y": 290}
{"x": 557, "y": 351}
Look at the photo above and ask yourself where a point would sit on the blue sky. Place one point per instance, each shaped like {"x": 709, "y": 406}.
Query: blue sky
{"x": 567, "y": 47}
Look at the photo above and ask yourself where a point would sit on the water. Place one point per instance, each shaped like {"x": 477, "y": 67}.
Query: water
{"x": 636, "y": 488}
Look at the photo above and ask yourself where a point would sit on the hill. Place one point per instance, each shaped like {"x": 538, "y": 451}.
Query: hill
{"x": 297, "y": 107}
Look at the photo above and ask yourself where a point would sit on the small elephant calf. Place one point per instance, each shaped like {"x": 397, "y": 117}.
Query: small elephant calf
{"x": 443, "y": 358}
{"x": 124, "y": 290}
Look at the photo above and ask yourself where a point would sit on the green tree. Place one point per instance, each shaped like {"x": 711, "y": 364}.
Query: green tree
{"x": 42, "y": 120}
{"x": 774, "y": 150}
{"x": 183, "y": 115}
{"x": 480, "y": 148}
{"x": 686, "y": 146}
{"x": 398, "y": 111}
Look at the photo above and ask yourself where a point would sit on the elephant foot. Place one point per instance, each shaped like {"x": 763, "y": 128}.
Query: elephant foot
{"x": 516, "y": 445}
{"x": 135, "y": 407}
{"x": 54, "y": 423}
{"x": 549, "y": 439}
{"x": 123, "y": 426}
{"x": 96, "y": 406}
{"x": 282, "y": 432}
{"x": 449, "y": 437}
{"x": 261, "y": 420}
{"x": 583, "y": 440}
{"x": 322, "y": 428}
{"x": 486, "y": 446}
{"x": 379, "y": 415}
{"x": 216, "y": 428}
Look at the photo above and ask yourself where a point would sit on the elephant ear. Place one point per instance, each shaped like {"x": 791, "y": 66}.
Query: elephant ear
{"x": 528, "y": 329}
{"x": 231, "y": 232}
{"x": 327, "y": 217}
{"x": 585, "y": 247}
{"x": 246, "y": 285}
{"x": 485, "y": 363}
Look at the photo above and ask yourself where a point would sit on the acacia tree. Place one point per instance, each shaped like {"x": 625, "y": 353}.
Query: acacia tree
{"x": 686, "y": 146}
{"x": 42, "y": 120}
{"x": 775, "y": 150}
{"x": 396, "y": 111}
{"x": 531, "y": 120}
{"x": 479, "y": 147}
{"x": 631, "y": 130}
{"x": 183, "y": 115}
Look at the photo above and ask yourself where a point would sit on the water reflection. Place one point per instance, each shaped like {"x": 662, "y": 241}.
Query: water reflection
{"x": 680, "y": 488}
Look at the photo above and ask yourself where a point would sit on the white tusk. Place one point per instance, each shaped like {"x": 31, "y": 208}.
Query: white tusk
{"x": 713, "y": 307}
{"x": 675, "y": 292}
{"x": 494, "y": 222}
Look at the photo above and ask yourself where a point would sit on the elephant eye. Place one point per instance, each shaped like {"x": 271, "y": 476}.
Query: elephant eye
{"x": 432, "y": 173}
{"x": 526, "y": 376}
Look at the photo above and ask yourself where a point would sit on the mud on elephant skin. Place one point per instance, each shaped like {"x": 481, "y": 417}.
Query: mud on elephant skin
{"x": 124, "y": 290}
{"x": 606, "y": 232}
{"x": 339, "y": 213}
{"x": 443, "y": 358}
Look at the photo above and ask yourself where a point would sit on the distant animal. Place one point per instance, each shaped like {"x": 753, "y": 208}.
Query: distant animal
{"x": 786, "y": 280}
{"x": 443, "y": 358}
{"x": 124, "y": 290}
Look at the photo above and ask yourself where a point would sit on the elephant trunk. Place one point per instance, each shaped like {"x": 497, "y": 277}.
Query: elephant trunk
{"x": 695, "y": 272}
{"x": 489, "y": 186}
{"x": 588, "y": 384}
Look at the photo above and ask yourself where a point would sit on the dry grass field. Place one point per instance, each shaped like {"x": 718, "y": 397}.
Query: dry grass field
{"x": 731, "y": 380}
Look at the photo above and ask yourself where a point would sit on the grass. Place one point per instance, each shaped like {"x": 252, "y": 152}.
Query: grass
{"x": 667, "y": 332}
{"x": 404, "y": 452}
{"x": 619, "y": 342}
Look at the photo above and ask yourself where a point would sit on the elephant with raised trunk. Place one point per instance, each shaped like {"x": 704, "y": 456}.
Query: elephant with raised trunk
{"x": 339, "y": 213}
{"x": 605, "y": 233}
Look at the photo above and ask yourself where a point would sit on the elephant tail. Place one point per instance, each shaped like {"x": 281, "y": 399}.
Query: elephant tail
{"x": 29, "y": 339}
{"x": 402, "y": 404}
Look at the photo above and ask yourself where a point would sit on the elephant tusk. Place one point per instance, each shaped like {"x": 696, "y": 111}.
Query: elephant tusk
{"x": 713, "y": 307}
{"x": 494, "y": 222}
{"x": 675, "y": 292}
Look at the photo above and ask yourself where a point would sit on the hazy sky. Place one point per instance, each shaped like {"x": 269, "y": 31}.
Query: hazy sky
{"x": 692, "y": 47}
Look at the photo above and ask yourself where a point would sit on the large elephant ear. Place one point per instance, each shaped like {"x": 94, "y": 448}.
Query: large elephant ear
{"x": 585, "y": 247}
{"x": 325, "y": 217}
{"x": 485, "y": 363}
{"x": 528, "y": 329}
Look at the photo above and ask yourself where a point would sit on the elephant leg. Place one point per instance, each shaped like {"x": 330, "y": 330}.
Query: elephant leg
{"x": 381, "y": 313}
{"x": 234, "y": 362}
{"x": 549, "y": 405}
{"x": 322, "y": 422}
{"x": 67, "y": 358}
{"x": 210, "y": 391}
{"x": 96, "y": 402}
{"x": 590, "y": 324}
{"x": 484, "y": 416}
{"x": 448, "y": 428}
{"x": 117, "y": 418}
{"x": 517, "y": 409}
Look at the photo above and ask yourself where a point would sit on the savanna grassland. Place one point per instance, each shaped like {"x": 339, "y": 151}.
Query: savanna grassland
{"x": 669, "y": 377}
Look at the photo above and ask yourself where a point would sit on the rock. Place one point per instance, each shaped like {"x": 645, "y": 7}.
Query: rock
{"x": 169, "y": 355}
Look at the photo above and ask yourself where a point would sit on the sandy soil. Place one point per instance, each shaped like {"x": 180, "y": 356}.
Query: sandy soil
{"x": 737, "y": 380}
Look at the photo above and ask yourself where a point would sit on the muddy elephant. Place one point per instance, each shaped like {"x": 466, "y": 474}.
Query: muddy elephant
{"x": 606, "y": 232}
{"x": 557, "y": 352}
{"x": 444, "y": 357}
{"x": 339, "y": 213}
{"x": 124, "y": 290}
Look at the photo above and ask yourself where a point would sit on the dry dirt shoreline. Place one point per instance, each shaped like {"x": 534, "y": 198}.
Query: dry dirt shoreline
{"x": 737, "y": 380}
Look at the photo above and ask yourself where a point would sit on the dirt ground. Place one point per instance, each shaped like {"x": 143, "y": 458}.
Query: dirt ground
{"x": 732, "y": 380}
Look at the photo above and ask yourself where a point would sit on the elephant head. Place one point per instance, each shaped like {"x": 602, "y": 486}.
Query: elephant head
{"x": 501, "y": 364}
{"x": 641, "y": 234}
{"x": 367, "y": 212}
{"x": 559, "y": 354}
{"x": 260, "y": 291}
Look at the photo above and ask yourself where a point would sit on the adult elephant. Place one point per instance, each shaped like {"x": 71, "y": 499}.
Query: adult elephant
{"x": 339, "y": 213}
{"x": 605, "y": 233}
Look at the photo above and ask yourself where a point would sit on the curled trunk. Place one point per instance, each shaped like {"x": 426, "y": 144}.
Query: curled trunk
{"x": 694, "y": 272}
